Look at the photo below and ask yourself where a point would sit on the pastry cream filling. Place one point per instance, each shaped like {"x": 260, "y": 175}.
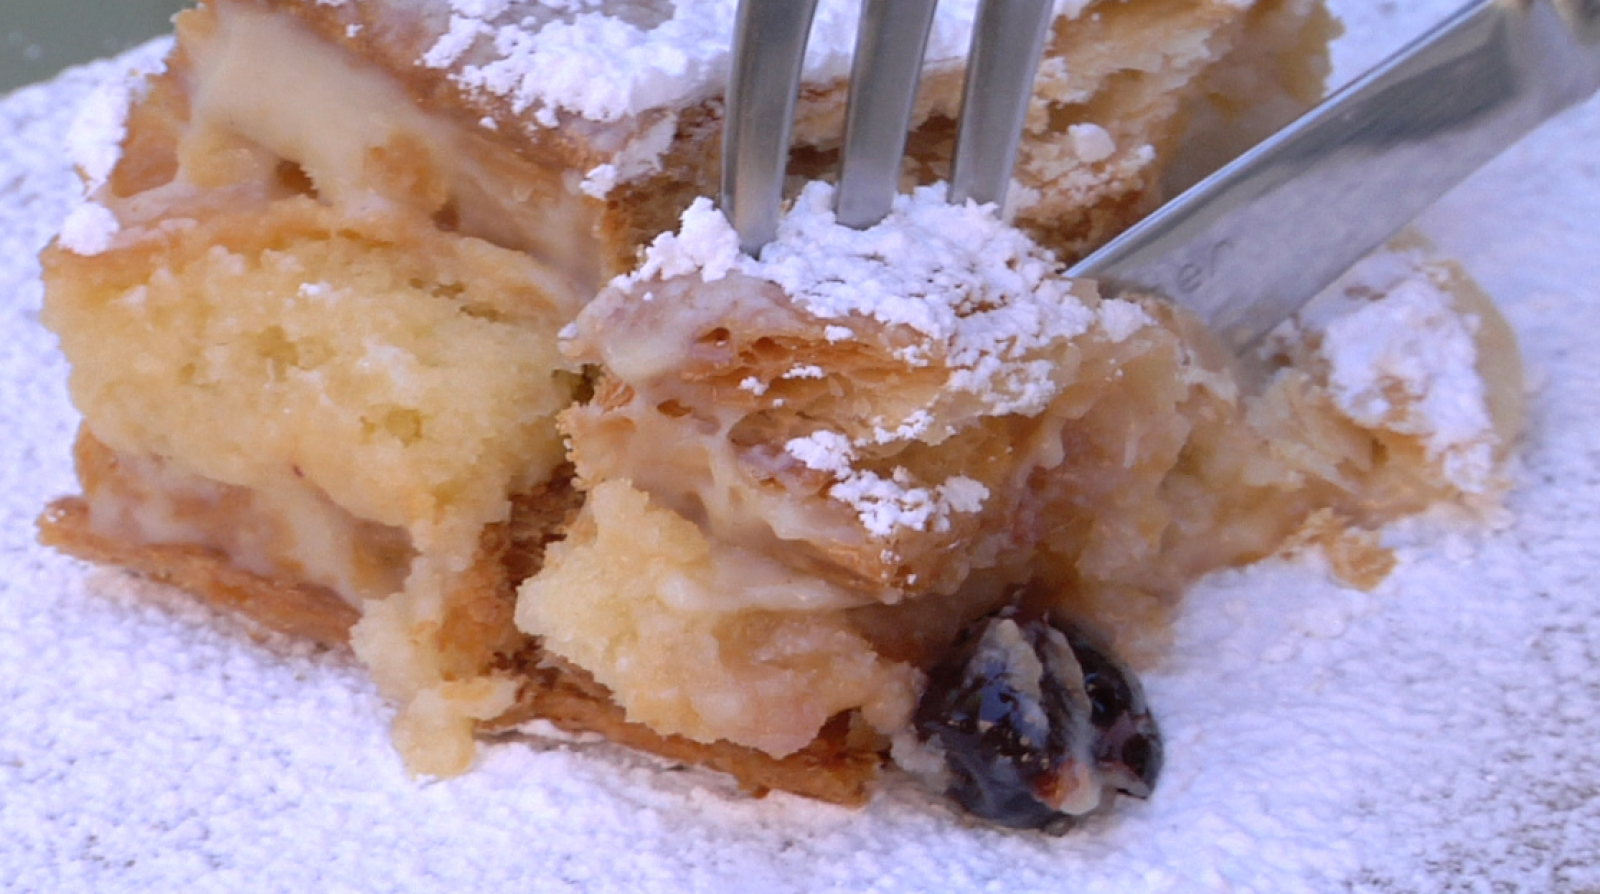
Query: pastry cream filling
{"x": 635, "y": 595}
{"x": 287, "y": 529}
{"x": 367, "y": 147}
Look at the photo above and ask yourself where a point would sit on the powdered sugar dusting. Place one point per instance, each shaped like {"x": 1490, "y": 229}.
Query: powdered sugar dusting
{"x": 89, "y": 228}
{"x": 1407, "y": 362}
{"x": 1121, "y": 319}
{"x": 1437, "y": 735}
{"x": 885, "y": 505}
{"x": 94, "y": 143}
{"x": 979, "y": 290}
{"x": 608, "y": 60}
{"x": 1401, "y": 355}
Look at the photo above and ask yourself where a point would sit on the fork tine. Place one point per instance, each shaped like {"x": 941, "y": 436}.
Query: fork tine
{"x": 883, "y": 84}
{"x": 769, "y": 48}
{"x": 1008, "y": 41}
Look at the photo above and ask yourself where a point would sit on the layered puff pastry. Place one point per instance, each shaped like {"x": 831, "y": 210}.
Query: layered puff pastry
{"x": 407, "y": 323}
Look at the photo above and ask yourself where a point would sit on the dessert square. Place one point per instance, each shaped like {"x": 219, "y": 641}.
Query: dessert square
{"x": 377, "y": 337}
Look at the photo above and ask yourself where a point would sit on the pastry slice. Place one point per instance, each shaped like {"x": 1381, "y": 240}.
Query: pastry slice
{"x": 804, "y": 476}
{"x": 331, "y": 315}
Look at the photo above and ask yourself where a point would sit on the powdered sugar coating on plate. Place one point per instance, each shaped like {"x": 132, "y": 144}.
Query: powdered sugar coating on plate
{"x": 1436, "y": 735}
{"x": 94, "y": 144}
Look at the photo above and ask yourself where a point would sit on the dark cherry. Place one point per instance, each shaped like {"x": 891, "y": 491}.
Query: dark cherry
{"x": 1037, "y": 722}
{"x": 1127, "y": 743}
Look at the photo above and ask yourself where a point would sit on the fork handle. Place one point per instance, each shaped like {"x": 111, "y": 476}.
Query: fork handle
{"x": 1248, "y": 246}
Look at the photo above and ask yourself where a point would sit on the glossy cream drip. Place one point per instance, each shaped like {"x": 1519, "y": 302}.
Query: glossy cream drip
{"x": 673, "y": 443}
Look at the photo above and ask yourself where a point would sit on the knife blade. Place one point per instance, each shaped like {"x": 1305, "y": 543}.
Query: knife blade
{"x": 1248, "y": 246}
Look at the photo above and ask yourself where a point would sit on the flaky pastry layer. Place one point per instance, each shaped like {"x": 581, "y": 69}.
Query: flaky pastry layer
{"x": 317, "y": 359}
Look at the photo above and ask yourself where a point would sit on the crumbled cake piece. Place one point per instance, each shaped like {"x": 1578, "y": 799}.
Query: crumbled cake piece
{"x": 313, "y": 303}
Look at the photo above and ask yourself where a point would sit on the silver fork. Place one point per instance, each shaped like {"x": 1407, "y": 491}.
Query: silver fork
{"x": 769, "y": 51}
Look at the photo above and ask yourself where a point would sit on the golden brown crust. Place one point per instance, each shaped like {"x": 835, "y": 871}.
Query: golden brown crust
{"x": 299, "y": 610}
{"x": 835, "y": 767}
{"x": 477, "y": 636}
